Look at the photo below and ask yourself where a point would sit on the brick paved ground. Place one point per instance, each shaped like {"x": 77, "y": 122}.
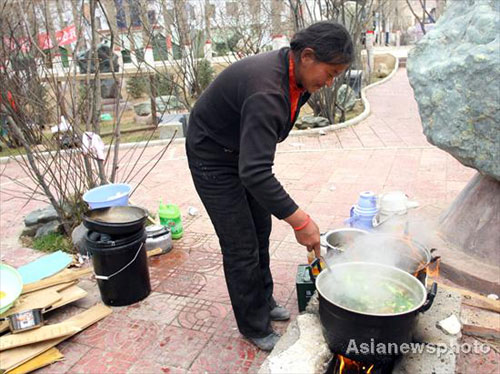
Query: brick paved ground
{"x": 186, "y": 325}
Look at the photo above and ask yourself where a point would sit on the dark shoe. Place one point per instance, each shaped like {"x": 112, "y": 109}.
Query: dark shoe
{"x": 266, "y": 343}
{"x": 279, "y": 313}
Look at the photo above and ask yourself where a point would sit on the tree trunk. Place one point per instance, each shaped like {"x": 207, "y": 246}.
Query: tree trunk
{"x": 472, "y": 221}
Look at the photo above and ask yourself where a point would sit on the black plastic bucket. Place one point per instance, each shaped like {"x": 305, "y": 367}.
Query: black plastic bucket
{"x": 120, "y": 267}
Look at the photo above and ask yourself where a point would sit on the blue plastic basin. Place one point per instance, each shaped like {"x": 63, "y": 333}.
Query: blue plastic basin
{"x": 115, "y": 194}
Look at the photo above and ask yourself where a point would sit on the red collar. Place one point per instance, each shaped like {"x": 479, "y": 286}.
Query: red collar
{"x": 291, "y": 75}
{"x": 295, "y": 91}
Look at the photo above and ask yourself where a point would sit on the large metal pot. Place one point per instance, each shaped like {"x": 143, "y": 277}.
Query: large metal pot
{"x": 352, "y": 332}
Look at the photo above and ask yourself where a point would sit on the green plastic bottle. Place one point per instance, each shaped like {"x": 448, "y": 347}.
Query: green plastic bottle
{"x": 170, "y": 216}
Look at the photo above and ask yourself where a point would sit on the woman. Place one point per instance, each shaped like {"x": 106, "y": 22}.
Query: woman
{"x": 231, "y": 141}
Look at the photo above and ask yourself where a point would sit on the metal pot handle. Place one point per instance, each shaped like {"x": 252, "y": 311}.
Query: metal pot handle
{"x": 430, "y": 298}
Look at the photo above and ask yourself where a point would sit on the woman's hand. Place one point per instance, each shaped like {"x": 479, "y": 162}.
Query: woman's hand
{"x": 306, "y": 231}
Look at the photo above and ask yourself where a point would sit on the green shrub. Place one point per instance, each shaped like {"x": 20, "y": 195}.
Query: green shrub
{"x": 164, "y": 84}
{"x": 53, "y": 242}
{"x": 137, "y": 86}
{"x": 205, "y": 74}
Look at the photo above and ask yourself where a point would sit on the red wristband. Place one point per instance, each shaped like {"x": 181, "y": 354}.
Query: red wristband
{"x": 298, "y": 228}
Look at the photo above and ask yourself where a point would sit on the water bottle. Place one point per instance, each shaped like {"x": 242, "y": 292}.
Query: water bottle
{"x": 361, "y": 214}
{"x": 170, "y": 216}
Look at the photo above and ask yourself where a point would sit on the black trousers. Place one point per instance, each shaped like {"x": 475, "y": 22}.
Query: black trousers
{"x": 243, "y": 227}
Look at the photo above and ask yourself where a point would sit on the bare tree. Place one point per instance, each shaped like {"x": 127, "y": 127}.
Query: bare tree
{"x": 354, "y": 16}
{"x": 37, "y": 89}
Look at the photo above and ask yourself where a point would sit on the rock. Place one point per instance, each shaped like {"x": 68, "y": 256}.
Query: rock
{"x": 432, "y": 359}
{"x": 455, "y": 74}
{"x": 143, "y": 109}
{"x": 351, "y": 97}
{"x": 445, "y": 303}
{"x": 167, "y": 130}
{"x": 382, "y": 71}
{"x": 41, "y": 215}
{"x": 143, "y": 120}
{"x": 48, "y": 228}
{"x": 450, "y": 325}
{"x": 31, "y": 230}
{"x": 78, "y": 238}
{"x": 309, "y": 353}
{"x": 164, "y": 103}
{"x": 306, "y": 122}
{"x": 492, "y": 296}
{"x": 167, "y": 103}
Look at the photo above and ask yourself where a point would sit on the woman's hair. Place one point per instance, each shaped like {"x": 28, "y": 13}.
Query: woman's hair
{"x": 330, "y": 41}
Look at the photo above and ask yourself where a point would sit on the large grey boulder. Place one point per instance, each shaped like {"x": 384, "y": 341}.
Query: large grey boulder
{"x": 455, "y": 74}
{"x": 42, "y": 215}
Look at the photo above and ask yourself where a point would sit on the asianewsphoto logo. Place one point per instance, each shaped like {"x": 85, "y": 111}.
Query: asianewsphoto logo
{"x": 382, "y": 349}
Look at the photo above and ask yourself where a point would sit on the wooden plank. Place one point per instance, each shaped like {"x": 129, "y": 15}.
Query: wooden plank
{"x": 155, "y": 252}
{"x": 32, "y": 300}
{"x": 41, "y": 299}
{"x": 481, "y": 331}
{"x": 475, "y": 299}
{"x": 64, "y": 277}
{"x": 480, "y": 323}
{"x": 40, "y": 334}
{"x": 46, "y": 358}
{"x": 69, "y": 295}
{"x": 14, "y": 357}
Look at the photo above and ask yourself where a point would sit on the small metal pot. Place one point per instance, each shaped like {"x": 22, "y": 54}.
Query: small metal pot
{"x": 25, "y": 320}
{"x": 340, "y": 239}
{"x": 158, "y": 237}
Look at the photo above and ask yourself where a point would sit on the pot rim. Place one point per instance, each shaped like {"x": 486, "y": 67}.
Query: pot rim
{"x": 344, "y": 229}
{"x": 372, "y": 264}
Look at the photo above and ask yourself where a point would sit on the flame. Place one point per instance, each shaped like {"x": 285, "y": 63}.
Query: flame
{"x": 352, "y": 366}
{"x": 433, "y": 269}
{"x": 342, "y": 364}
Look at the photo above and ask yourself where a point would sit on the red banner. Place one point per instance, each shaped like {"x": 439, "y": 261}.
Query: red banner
{"x": 63, "y": 37}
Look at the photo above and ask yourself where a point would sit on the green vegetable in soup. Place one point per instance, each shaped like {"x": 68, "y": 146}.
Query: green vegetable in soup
{"x": 374, "y": 296}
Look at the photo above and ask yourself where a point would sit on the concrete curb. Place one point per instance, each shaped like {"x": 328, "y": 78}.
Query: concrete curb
{"x": 293, "y": 133}
{"x": 355, "y": 120}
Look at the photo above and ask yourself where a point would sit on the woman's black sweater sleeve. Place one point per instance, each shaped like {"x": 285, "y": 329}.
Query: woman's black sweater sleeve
{"x": 263, "y": 115}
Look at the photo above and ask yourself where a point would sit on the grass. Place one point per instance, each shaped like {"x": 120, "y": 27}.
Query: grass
{"x": 53, "y": 242}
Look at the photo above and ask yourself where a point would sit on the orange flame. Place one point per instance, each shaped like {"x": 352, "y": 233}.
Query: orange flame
{"x": 352, "y": 366}
{"x": 433, "y": 269}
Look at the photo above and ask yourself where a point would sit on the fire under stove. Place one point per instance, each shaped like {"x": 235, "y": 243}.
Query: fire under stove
{"x": 343, "y": 365}
{"x": 303, "y": 349}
